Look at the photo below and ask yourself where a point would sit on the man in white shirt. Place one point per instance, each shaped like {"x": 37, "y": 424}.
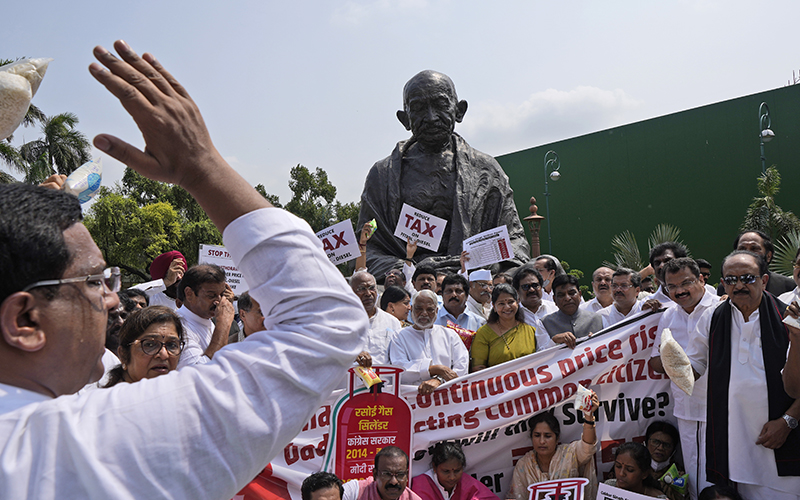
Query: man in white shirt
{"x": 454, "y": 307}
{"x": 528, "y": 283}
{"x": 55, "y": 298}
{"x": 751, "y": 435}
{"x": 601, "y": 285}
{"x": 382, "y": 325}
{"x": 625, "y": 285}
{"x": 683, "y": 282}
{"x": 430, "y": 354}
{"x": 203, "y": 293}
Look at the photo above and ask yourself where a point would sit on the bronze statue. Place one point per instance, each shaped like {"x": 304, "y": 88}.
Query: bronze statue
{"x": 436, "y": 171}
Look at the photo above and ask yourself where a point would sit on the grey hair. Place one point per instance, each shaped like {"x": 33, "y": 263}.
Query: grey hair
{"x": 428, "y": 294}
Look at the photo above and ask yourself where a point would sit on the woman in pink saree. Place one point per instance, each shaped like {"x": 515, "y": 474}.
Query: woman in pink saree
{"x": 446, "y": 480}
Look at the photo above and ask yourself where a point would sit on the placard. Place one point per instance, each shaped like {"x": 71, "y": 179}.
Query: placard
{"x": 339, "y": 242}
{"x": 426, "y": 229}
{"x": 607, "y": 492}
{"x": 215, "y": 254}
{"x": 488, "y": 247}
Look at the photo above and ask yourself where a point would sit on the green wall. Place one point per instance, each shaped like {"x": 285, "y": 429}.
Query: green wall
{"x": 695, "y": 169}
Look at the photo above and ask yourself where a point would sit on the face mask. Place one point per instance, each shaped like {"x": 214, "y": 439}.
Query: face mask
{"x": 658, "y": 465}
{"x": 546, "y": 282}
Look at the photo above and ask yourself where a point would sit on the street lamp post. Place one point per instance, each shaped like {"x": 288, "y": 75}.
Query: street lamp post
{"x": 551, "y": 162}
{"x": 766, "y": 134}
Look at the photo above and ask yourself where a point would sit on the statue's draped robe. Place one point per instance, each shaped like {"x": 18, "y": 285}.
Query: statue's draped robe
{"x": 483, "y": 200}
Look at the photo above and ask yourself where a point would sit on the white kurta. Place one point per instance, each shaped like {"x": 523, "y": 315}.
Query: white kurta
{"x": 476, "y": 307}
{"x": 382, "y": 329}
{"x": 202, "y": 432}
{"x": 593, "y": 305}
{"x": 689, "y": 410}
{"x": 416, "y": 350}
{"x": 790, "y": 296}
{"x": 543, "y": 340}
{"x": 748, "y": 406}
{"x": 611, "y": 315}
{"x": 198, "y": 332}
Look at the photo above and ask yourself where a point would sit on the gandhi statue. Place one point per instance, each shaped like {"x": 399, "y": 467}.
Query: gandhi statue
{"x": 437, "y": 172}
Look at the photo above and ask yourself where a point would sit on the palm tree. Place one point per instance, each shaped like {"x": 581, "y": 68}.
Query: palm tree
{"x": 763, "y": 214}
{"x": 626, "y": 249}
{"x": 61, "y": 150}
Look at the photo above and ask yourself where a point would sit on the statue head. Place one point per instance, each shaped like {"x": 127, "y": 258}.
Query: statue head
{"x": 431, "y": 109}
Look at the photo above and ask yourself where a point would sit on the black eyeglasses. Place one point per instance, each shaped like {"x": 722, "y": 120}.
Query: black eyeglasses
{"x": 664, "y": 445}
{"x": 746, "y": 279}
{"x": 152, "y": 346}
{"x": 388, "y": 475}
{"x": 111, "y": 278}
{"x": 685, "y": 284}
{"x": 529, "y": 286}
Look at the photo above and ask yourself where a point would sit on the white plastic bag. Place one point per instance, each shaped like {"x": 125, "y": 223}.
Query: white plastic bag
{"x": 676, "y": 362}
{"x": 19, "y": 82}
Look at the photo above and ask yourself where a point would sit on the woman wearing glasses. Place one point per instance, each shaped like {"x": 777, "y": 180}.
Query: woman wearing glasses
{"x": 150, "y": 344}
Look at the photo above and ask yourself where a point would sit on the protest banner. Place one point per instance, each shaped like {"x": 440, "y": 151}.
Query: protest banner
{"x": 488, "y": 247}
{"x": 339, "y": 242}
{"x": 215, "y": 254}
{"x": 488, "y": 411}
{"x": 426, "y": 229}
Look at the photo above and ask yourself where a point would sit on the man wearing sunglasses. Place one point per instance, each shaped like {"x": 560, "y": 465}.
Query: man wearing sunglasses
{"x": 751, "y": 434}
{"x": 54, "y": 301}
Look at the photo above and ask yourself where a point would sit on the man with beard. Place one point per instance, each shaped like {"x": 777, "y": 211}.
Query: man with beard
{"x": 528, "y": 283}
{"x": 437, "y": 172}
{"x": 601, "y": 285}
{"x": 454, "y": 298}
{"x": 430, "y": 354}
{"x": 204, "y": 295}
{"x": 683, "y": 283}
{"x": 389, "y": 479}
{"x": 166, "y": 270}
{"x": 570, "y": 322}
{"x": 625, "y": 285}
{"x": 751, "y": 436}
{"x": 382, "y": 325}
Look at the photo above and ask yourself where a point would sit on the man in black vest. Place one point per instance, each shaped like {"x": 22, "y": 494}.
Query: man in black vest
{"x": 751, "y": 421}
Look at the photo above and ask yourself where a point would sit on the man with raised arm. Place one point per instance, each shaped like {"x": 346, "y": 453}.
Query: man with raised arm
{"x": 165, "y": 437}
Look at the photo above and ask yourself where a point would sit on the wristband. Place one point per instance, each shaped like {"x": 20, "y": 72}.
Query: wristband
{"x": 439, "y": 378}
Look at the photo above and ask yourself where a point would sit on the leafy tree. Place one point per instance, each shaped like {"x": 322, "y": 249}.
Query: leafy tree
{"x": 764, "y": 214}
{"x": 61, "y": 150}
{"x": 129, "y": 235}
{"x": 312, "y": 197}
{"x": 272, "y": 198}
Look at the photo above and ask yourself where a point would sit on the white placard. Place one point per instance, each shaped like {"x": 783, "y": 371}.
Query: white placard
{"x": 488, "y": 247}
{"x": 215, "y": 254}
{"x": 339, "y": 242}
{"x": 420, "y": 226}
{"x": 606, "y": 492}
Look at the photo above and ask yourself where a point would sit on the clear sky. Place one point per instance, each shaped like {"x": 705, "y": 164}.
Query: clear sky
{"x": 319, "y": 82}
